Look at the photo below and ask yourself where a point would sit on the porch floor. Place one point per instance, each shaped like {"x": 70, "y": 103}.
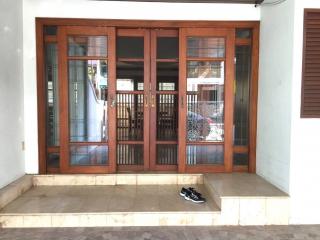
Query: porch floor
{"x": 99, "y": 199}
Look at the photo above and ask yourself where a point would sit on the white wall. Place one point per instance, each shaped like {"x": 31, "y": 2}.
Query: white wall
{"x": 103, "y": 10}
{"x": 11, "y": 92}
{"x": 274, "y": 100}
{"x": 305, "y": 138}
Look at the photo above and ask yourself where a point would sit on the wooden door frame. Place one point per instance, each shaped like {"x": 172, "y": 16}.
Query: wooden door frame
{"x": 229, "y": 35}
{"x": 43, "y": 149}
{"x": 65, "y": 143}
{"x": 126, "y": 32}
{"x": 153, "y": 110}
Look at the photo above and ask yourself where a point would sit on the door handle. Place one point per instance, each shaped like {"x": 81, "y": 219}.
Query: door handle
{"x": 146, "y": 100}
{"x": 182, "y": 101}
{"x": 112, "y": 101}
{"x": 153, "y": 101}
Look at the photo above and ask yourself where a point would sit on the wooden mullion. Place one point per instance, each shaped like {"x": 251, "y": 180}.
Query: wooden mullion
{"x": 112, "y": 110}
{"x": 50, "y": 39}
{"x": 243, "y": 41}
{"x": 130, "y": 59}
{"x": 206, "y": 59}
{"x": 253, "y": 111}
{"x": 182, "y": 101}
{"x": 53, "y": 149}
{"x": 240, "y": 149}
{"x": 87, "y": 58}
{"x": 63, "y": 99}
{"x": 153, "y": 106}
{"x": 41, "y": 98}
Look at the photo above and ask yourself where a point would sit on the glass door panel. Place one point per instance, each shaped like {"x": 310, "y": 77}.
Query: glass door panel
{"x": 132, "y": 95}
{"x": 164, "y": 99}
{"x": 206, "y": 88}
{"x": 90, "y": 98}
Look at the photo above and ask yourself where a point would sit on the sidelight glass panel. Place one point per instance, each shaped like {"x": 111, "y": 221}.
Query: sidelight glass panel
{"x": 87, "y": 46}
{"x": 206, "y": 47}
{"x": 243, "y": 33}
{"x": 90, "y": 155}
{"x": 130, "y": 76}
{"x": 129, "y": 154}
{"x": 240, "y": 159}
{"x": 242, "y": 95}
{"x": 88, "y": 90}
{"x": 167, "y": 154}
{"x": 205, "y": 101}
{"x": 53, "y": 160}
{"x": 167, "y": 48}
{"x": 130, "y": 47}
{"x": 50, "y": 30}
{"x": 204, "y": 154}
{"x": 167, "y": 76}
{"x": 51, "y": 74}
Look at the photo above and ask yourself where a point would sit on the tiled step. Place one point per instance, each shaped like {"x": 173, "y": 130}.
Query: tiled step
{"x": 118, "y": 205}
{"x": 247, "y": 199}
{"x": 116, "y": 179}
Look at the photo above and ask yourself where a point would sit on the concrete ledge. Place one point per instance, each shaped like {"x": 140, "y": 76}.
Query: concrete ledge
{"x": 15, "y": 189}
{"x": 115, "y": 179}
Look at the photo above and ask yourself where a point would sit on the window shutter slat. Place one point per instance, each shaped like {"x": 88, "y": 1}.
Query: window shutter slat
{"x": 310, "y": 95}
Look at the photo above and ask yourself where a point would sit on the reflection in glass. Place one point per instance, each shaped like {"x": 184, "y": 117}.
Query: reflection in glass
{"x": 130, "y": 116}
{"x": 130, "y": 47}
{"x": 241, "y": 159}
{"x": 130, "y": 76}
{"x": 53, "y": 160}
{"x": 167, "y": 76}
{"x": 206, "y": 47}
{"x": 204, "y": 154}
{"x": 87, "y": 46}
{"x": 205, "y": 101}
{"x": 241, "y": 100}
{"x": 88, "y": 89}
{"x": 167, "y": 154}
{"x": 51, "y": 74}
{"x": 167, "y": 48}
{"x": 129, "y": 154}
{"x": 89, "y": 155}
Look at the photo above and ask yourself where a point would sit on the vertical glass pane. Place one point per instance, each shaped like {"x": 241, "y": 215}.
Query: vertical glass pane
{"x": 205, "y": 101}
{"x": 129, "y": 116}
{"x": 167, "y": 117}
{"x": 167, "y": 154}
{"x": 50, "y": 30}
{"x": 167, "y": 47}
{"x": 51, "y": 74}
{"x": 205, "y": 47}
{"x": 89, "y": 155}
{"x": 241, "y": 159}
{"x": 53, "y": 160}
{"x": 87, "y": 46}
{"x": 167, "y": 76}
{"x": 129, "y": 154}
{"x": 241, "y": 101}
{"x": 204, "y": 154}
{"x": 88, "y": 89}
{"x": 243, "y": 33}
{"x": 130, "y": 76}
{"x": 130, "y": 47}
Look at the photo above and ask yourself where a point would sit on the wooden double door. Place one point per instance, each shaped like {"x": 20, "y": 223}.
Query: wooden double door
{"x": 145, "y": 99}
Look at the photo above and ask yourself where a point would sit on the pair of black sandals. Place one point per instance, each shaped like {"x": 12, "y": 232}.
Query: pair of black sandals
{"x": 192, "y": 195}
